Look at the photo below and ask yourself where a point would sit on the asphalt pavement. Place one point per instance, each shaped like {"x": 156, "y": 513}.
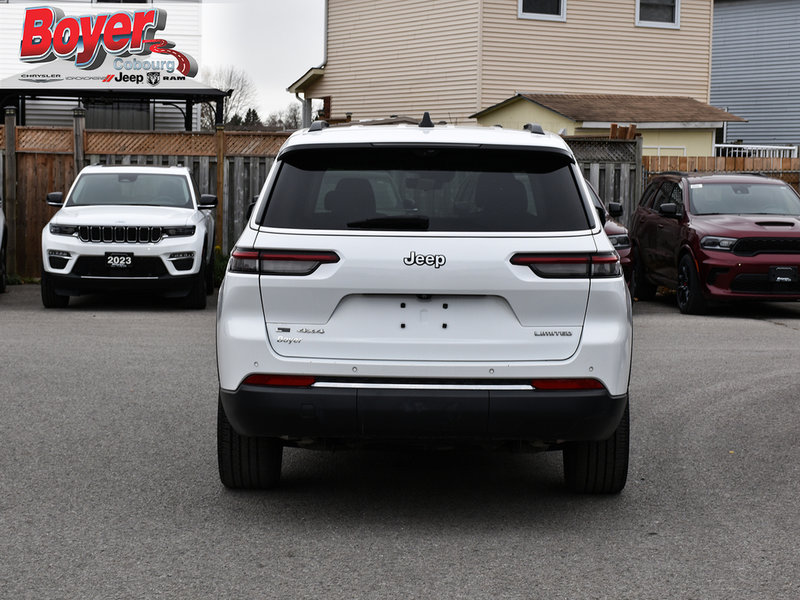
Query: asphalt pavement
{"x": 109, "y": 486}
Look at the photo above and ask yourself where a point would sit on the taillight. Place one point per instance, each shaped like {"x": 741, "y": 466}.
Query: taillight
{"x": 570, "y": 266}
{"x": 279, "y": 262}
{"x": 280, "y": 380}
{"x": 567, "y": 384}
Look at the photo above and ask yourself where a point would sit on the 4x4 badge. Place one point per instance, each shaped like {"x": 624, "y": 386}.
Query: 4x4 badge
{"x": 429, "y": 260}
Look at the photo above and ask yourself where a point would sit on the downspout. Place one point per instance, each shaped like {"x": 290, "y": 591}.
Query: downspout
{"x": 306, "y": 110}
{"x": 479, "y": 69}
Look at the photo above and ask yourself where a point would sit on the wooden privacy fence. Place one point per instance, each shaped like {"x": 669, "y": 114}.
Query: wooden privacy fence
{"x": 786, "y": 169}
{"x": 231, "y": 165}
{"x": 234, "y": 166}
{"x": 613, "y": 167}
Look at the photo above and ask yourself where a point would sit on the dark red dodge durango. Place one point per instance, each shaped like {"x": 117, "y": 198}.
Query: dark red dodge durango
{"x": 717, "y": 238}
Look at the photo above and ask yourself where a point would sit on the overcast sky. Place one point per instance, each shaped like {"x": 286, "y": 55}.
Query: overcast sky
{"x": 274, "y": 41}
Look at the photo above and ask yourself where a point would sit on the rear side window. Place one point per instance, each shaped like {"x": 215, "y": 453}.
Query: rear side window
{"x": 426, "y": 189}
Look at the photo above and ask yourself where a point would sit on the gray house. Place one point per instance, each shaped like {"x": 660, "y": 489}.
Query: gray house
{"x": 755, "y": 71}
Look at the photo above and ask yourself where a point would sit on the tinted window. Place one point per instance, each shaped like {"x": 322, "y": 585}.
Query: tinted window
{"x": 743, "y": 198}
{"x": 649, "y": 194}
{"x": 429, "y": 189}
{"x": 131, "y": 189}
{"x": 670, "y": 193}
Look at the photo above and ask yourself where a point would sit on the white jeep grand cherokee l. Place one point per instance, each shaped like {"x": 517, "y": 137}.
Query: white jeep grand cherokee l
{"x": 402, "y": 284}
{"x": 126, "y": 228}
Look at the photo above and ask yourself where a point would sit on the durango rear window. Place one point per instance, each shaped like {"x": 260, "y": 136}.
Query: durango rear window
{"x": 426, "y": 189}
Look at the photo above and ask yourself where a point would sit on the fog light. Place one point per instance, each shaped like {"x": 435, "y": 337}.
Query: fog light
{"x": 182, "y": 261}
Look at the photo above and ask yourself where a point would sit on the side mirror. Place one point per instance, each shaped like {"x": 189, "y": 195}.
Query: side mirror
{"x": 208, "y": 201}
{"x": 669, "y": 209}
{"x": 615, "y": 209}
{"x": 55, "y": 199}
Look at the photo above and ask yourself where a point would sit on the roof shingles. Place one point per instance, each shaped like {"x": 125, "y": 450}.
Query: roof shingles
{"x": 621, "y": 108}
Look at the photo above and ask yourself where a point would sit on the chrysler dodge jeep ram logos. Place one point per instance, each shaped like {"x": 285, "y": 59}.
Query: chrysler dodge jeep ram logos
{"x": 47, "y": 34}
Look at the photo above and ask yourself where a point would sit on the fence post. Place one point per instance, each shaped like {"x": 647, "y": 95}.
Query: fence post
{"x": 78, "y": 128}
{"x": 10, "y": 183}
{"x": 220, "y": 143}
{"x": 638, "y": 186}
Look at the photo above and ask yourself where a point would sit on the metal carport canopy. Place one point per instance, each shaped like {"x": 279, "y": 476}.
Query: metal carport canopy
{"x": 60, "y": 79}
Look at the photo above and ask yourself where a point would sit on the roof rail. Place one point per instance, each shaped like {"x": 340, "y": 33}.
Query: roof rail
{"x": 534, "y": 128}
{"x": 319, "y": 126}
{"x": 681, "y": 173}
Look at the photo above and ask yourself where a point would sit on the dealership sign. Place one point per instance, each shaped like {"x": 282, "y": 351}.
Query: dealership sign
{"x": 86, "y": 41}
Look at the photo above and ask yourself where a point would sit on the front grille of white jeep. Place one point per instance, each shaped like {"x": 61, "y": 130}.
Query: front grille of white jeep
{"x": 109, "y": 234}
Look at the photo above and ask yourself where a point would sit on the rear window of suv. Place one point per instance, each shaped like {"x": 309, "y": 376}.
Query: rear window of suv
{"x": 426, "y": 189}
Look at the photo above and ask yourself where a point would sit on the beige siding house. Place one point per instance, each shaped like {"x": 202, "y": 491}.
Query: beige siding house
{"x": 456, "y": 58}
{"x": 668, "y": 125}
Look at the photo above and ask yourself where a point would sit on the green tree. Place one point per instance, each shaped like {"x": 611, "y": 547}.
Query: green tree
{"x": 252, "y": 121}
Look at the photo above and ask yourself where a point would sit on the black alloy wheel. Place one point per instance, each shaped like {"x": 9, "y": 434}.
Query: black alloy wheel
{"x": 689, "y": 295}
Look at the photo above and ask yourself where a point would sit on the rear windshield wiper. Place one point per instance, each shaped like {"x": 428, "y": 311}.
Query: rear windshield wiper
{"x": 410, "y": 223}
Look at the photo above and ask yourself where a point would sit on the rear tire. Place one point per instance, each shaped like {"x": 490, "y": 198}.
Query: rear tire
{"x": 246, "y": 463}
{"x": 689, "y": 295}
{"x": 599, "y": 467}
{"x": 50, "y": 298}
{"x": 641, "y": 289}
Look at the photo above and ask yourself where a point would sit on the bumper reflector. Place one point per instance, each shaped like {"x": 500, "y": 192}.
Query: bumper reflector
{"x": 283, "y": 380}
{"x": 567, "y": 384}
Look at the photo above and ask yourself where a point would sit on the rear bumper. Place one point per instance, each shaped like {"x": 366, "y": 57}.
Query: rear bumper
{"x": 397, "y": 414}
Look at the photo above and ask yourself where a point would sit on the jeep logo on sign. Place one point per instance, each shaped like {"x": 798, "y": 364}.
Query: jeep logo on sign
{"x": 421, "y": 260}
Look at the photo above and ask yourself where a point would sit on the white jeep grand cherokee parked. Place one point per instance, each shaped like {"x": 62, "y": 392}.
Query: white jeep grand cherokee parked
{"x": 403, "y": 284}
{"x": 125, "y": 228}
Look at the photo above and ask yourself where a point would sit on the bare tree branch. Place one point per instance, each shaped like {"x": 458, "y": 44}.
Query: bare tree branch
{"x": 227, "y": 78}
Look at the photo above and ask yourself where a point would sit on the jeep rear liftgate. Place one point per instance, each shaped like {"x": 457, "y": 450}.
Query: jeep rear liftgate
{"x": 414, "y": 298}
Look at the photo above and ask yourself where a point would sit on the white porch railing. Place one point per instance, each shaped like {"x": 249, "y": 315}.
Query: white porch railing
{"x": 755, "y": 151}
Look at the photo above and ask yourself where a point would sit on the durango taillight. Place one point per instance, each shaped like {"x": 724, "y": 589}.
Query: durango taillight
{"x": 570, "y": 266}
{"x": 279, "y": 262}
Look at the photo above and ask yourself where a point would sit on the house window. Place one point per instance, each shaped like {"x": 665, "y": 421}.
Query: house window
{"x": 546, "y": 10}
{"x": 658, "y": 13}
